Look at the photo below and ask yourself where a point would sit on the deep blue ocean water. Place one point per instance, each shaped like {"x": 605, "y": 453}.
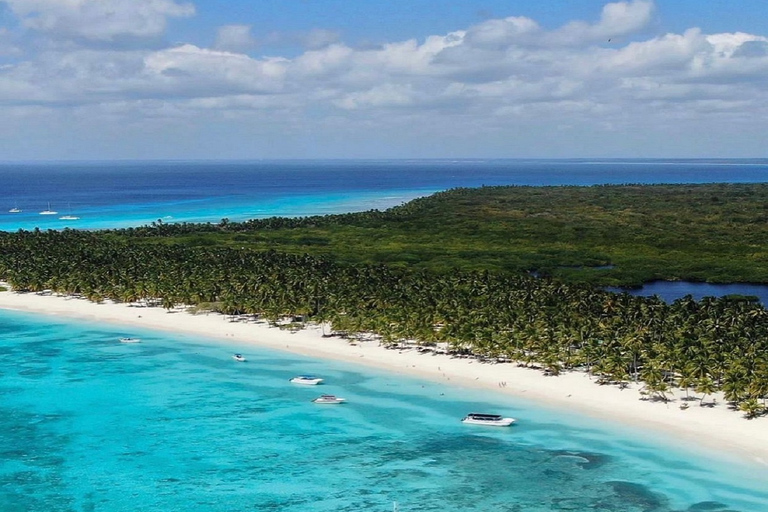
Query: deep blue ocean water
{"x": 174, "y": 424}
{"x": 106, "y": 195}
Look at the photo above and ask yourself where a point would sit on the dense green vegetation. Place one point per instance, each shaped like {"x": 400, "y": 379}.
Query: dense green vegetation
{"x": 609, "y": 235}
{"x": 480, "y": 307}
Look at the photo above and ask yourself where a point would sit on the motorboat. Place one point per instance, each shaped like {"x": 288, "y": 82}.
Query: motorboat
{"x": 329, "y": 399}
{"x": 130, "y": 340}
{"x": 239, "y": 357}
{"x": 309, "y": 380}
{"x": 14, "y": 210}
{"x": 493, "y": 420}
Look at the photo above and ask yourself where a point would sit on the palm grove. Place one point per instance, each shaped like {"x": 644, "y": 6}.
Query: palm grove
{"x": 494, "y": 314}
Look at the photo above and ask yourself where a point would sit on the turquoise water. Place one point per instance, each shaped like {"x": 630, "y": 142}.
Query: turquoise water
{"x": 175, "y": 424}
{"x": 121, "y": 194}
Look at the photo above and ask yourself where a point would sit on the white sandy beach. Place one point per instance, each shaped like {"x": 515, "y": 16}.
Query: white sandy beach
{"x": 714, "y": 428}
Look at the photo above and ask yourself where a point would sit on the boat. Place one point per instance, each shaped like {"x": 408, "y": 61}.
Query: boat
{"x": 130, "y": 340}
{"x": 239, "y": 357}
{"x": 48, "y": 211}
{"x": 329, "y": 399}
{"x": 14, "y": 210}
{"x": 493, "y": 420}
{"x": 69, "y": 216}
{"x": 307, "y": 379}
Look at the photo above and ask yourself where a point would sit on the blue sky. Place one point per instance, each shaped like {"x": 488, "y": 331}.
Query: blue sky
{"x": 175, "y": 79}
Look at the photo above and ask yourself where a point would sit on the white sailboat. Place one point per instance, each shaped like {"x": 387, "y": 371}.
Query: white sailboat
{"x": 48, "y": 211}
{"x": 69, "y": 216}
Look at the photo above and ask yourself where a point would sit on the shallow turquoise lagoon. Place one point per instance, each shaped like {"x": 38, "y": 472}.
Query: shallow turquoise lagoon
{"x": 175, "y": 424}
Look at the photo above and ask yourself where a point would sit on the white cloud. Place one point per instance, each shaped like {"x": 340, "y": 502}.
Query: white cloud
{"x": 188, "y": 70}
{"x": 617, "y": 19}
{"x": 388, "y": 95}
{"x": 501, "y": 33}
{"x": 98, "y": 20}
{"x": 500, "y": 76}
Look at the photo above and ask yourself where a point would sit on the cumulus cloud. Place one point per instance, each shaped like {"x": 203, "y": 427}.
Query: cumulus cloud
{"x": 617, "y": 19}
{"x": 498, "y": 75}
{"x": 98, "y": 20}
{"x": 188, "y": 69}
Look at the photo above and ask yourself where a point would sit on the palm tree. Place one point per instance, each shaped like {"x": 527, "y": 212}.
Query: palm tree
{"x": 705, "y": 386}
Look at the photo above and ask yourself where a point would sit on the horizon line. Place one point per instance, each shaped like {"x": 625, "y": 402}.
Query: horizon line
{"x": 373, "y": 159}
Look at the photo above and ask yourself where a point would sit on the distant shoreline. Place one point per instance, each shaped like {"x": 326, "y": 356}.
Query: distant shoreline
{"x": 715, "y": 429}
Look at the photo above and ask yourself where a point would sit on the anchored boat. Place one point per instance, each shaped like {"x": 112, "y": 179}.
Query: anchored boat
{"x": 309, "y": 380}
{"x": 329, "y": 399}
{"x": 494, "y": 420}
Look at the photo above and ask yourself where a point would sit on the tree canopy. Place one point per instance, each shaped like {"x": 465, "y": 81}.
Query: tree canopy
{"x": 705, "y": 346}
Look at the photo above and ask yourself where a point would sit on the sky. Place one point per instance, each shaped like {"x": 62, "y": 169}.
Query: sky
{"x": 286, "y": 79}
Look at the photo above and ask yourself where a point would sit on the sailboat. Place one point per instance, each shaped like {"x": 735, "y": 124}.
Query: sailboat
{"x": 69, "y": 216}
{"x": 48, "y": 211}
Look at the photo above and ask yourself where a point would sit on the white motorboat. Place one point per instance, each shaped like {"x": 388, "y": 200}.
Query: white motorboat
{"x": 493, "y": 420}
{"x": 309, "y": 380}
{"x": 239, "y": 357}
{"x": 329, "y": 399}
{"x": 14, "y": 210}
{"x": 130, "y": 340}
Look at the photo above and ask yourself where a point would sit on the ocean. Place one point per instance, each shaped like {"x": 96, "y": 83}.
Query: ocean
{"x": 175, "y": 424}
{"x": 114, "y": 194}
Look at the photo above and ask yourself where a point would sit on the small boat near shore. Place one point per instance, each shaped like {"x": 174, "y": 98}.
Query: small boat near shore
{"x": 307, "y": 380}
{"x": 14, "y": 210}
{"x": 130, "y": 340}
{"x": 48, "y": 211}
{"x": 493, "y": 420}
{"x": 239, "y": 357}
{"x": 329, "y": 399}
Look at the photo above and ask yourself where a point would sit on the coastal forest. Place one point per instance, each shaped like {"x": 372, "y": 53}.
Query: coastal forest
{"x": 497, "y": 273}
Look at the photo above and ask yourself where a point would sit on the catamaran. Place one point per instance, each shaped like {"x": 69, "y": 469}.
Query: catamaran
{"x": 48, "y": 211}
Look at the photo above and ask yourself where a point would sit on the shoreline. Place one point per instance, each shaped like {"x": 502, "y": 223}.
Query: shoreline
{"x": 711, "y": 430}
